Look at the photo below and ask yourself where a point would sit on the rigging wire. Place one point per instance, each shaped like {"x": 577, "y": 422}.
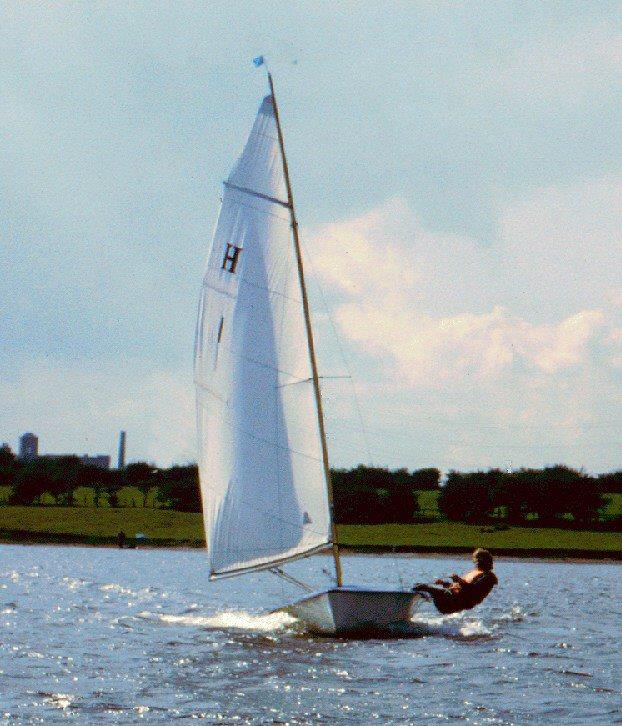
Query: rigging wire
{"x": 345, "y": 362}
{"x": 344, "y": 359}
{"x": 279, "y": 572}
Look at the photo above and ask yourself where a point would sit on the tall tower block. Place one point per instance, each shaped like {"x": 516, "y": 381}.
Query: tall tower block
{"x": 28, "y": 447}
{"x": 121, "y": 461}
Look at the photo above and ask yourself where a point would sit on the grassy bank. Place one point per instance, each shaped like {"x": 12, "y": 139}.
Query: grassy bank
{"x": 90, "y": 525}
{"x": 457, "y": 537}
{"x": 165, "y": 528}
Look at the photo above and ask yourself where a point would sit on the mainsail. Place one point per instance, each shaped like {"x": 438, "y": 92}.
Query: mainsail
{"x": 263, "y": 480}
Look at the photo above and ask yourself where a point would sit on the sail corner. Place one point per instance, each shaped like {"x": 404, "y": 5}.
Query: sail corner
{"x": 267, "y": 106}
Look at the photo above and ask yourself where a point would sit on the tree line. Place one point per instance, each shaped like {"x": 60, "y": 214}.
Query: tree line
{"x": 59, "y": 480}
{"x": 553, "y": 496}
{"x": 376, "y": 495}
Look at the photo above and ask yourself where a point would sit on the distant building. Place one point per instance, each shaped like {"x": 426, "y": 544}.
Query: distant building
{"x": 28, "y": 447}
{"x": 29, "y": 450}
{"x": 121, "y": 459}
{"x": 101, "y": 461}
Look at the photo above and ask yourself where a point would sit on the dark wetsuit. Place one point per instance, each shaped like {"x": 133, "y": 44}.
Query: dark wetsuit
{"x": 470, "y": 594}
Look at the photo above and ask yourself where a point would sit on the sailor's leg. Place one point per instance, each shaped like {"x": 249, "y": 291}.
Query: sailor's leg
{"x": 421, "y": 587}
{"x": 444, "y": 600}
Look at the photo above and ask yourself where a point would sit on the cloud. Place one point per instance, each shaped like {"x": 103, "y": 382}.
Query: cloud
{"x": 495, "y": 350}
{"x": 388, "y": 271}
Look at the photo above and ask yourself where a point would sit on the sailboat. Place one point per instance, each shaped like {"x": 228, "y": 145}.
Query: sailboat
{"x": 263, "y": 458}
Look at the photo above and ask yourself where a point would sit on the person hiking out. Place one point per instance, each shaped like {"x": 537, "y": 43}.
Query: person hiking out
{"x": 463, "y": 593}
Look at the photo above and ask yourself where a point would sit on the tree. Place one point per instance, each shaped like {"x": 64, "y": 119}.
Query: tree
{"x": 29, "y": 484}
{"x": 9, "y": 464}
{"x": 142, "y": 476}
{"x": 612, "y": 482}
{"x": 574, "y": 493}
{"x": 471, "y": 497}
{"x": 180, "y": 486}
{"x": 426, "y": 479}
{"x": 551, "y": 495}
{"x": 55, "y": 476}
{"x": 138, "y": 473}
{"x": 373, "y": 495}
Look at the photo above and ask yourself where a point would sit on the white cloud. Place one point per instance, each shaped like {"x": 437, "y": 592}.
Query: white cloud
{"x": 389, "y": 271}
{"x": 493, "y": 353}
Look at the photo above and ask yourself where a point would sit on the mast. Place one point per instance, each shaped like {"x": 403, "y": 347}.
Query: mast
{"x": 305, "y": 306}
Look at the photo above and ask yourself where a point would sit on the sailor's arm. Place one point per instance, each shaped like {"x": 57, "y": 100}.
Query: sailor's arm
{"x": 459, "y": 580}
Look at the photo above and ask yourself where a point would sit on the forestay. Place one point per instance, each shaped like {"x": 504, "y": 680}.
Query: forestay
{"x": 260, "y": 458}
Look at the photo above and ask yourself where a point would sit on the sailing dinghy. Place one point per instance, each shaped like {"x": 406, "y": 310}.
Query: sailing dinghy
{"x": 263, "y": 459}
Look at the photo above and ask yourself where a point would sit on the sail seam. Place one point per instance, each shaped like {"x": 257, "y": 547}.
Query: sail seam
{"x": 259, "y": 195}
{"x": 221, "y": 290}
{"x": 275, "y": 517}
{"x": 257, "y": 210}
{"x": 224, "y": 401}
{"x": 246, "y": 281}
{"x": 263, "y": 440}
{"x": 205, "y": 388}
{"x": 263, "y": 135}
{"x": 247, "y": 358}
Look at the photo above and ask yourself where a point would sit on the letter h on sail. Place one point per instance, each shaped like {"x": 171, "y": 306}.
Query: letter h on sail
{"x": 230, "y": 260}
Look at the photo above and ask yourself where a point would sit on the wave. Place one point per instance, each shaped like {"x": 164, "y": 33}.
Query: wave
{"x": 114, "y": 587}
{"x": 453, "y": 626}
{"x": 227, "y": 620}
{"x": 60, "y": 700}
{"x": 458, "y": 626}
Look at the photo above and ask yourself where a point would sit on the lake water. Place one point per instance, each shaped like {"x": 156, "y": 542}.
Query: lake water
{"x": 128, "y": 636}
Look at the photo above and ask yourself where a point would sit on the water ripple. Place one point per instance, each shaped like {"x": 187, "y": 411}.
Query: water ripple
{"x": 125, "y": 637}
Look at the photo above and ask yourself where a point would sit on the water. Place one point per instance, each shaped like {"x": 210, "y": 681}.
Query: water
{"x": 103, "y": 635}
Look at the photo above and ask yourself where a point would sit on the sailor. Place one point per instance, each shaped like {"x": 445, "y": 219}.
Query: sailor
{"x": 463, "y": 593}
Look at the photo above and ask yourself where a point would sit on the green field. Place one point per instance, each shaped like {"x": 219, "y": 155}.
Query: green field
{"x": 100, "y": 526}
{"x": 454, "y": 535}
{"x": 613, "y": 505}
{"x": 428, "y": 503}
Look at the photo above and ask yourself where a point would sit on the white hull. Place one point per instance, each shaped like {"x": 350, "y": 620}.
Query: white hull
{"x": 349, "y": 610}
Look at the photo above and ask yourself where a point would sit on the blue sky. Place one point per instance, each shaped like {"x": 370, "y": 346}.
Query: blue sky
{"x": 461, "y": 163}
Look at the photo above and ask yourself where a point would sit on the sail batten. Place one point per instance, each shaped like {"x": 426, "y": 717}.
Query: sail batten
{"x": 263, "y": 481}
{"x": 259, "y": 195}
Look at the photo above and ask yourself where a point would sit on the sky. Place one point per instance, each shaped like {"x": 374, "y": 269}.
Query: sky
{"x": 457, "y": 169}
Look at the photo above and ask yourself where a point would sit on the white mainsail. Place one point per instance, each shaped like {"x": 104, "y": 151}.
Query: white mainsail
{"x": 262, "y": 475}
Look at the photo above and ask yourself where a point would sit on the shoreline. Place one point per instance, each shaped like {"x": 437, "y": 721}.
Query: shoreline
{"x": 23, "y": 537}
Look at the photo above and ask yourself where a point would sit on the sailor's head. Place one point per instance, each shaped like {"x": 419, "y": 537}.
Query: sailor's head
{"x": 483, "y": 559}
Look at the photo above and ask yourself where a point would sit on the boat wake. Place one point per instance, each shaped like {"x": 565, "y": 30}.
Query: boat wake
{"x": 228, "y": 620}
{"x": 456, "y": 627}
{"x": 452, "y": 626}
